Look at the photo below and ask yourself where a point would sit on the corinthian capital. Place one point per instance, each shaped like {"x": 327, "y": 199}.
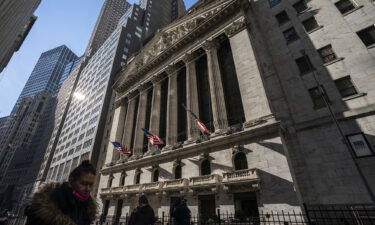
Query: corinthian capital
{"x": 210, "y": 44}
{"x": 171, "y": 69}
{"x": 188, "y": 57}
{"x": 236, "y": 27}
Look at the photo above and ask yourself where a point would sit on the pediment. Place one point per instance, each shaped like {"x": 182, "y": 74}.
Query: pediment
{"x": 171, "y": 34}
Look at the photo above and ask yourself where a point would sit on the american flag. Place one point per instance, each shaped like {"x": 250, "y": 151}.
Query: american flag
{"x": 202, "y": 127}
{"x": 200, "y": 124}
{"x": 121, "y": 149}
{"x": 154, "y": 139}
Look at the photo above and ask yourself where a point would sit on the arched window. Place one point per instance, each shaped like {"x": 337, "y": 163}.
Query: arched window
{"x": 122, "y": 179}
{"x": 177, "y": 172}
{"x": 206, "y": 167}
{"x": 110, "y": 180}
{"x": 137, "y": 178}
{"x": 240, "y": 161}
{"x": 155, "y": 177}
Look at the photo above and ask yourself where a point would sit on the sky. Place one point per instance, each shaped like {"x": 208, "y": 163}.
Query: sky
{"x": 68, "y": 22}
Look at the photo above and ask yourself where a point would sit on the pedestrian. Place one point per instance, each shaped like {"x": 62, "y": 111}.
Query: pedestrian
{"x": 143, "y": 214}
{"x": 68, "y": 203}
{"x": 172, "y": 208}
{"x": 181, "y": 213}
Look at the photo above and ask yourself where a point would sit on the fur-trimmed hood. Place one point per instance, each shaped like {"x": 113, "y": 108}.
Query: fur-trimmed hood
{"x": 55, "y": 205}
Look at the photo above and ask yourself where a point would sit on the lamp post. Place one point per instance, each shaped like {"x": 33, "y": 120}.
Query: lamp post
{"x": 334, "y": 119}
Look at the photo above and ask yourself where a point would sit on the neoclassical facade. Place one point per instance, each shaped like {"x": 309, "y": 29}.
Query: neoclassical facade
{"x": 268, "y": 149}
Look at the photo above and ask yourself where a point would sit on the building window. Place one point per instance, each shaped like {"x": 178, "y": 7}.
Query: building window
{"x": 122, "y": 179}
{"x": 360, "y": 145}
{"x": 110, "y": 180}
{"x": 327, "y": 54}
{"x": 137, "y": 178}
{"x": 317, "y": 97}
{"x": 155, "y": 175}
{"x": 290, "y": 35}
{"x": 345, "y": 6}
{"x": 367, "y": 35}
{"x": 300, "y": 6}
{"x": 345, "y": 86}
{"x": 273, "y": 2}
{"x": 282, "y": 17}
{"x": 178, "y": 172}
{"x": 205, "y": 167}
{"x": 304, "y": 64}
{"x": 310, "y": 24}
{"x": 240, "y": 161}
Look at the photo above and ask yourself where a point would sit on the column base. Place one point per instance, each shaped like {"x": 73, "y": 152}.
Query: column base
{"x": 191, "y": 141}
{"x": 220, "y": 132}
{"x": 258, "y": 121}
{"x": 110, "y": 164}
{"x": 177, "y": 145}
{"x": 202, "y": 138}
{"x": 167, "y": 148}
{"x": 153, "y": 151}
{"x": 135, "y": 157}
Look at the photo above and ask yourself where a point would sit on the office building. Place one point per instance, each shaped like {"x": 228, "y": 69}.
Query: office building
{"x": 16, "y": 21}
{"x": 47, "y": 72}
{"x": 110, "y": 14}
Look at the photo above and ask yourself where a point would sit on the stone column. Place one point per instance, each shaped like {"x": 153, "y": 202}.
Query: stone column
{"x": 172, "y": 111}
{"x": 126, "y": 138}
{"x": 216, "y": 87}
{"x": 253, "y": 95}
{"x": 155, "y": 111}
{"x": 141, "y": 120}
{"x": 117, "y": 130}
{"x": 192, "y": 96}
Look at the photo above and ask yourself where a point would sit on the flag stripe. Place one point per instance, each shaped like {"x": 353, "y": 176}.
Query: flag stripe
{"x": 202, "y": 127}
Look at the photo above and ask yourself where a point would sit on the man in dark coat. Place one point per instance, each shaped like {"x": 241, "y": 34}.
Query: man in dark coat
{"x": 68, "y": 203}
{"x": 143, "y": 214}
{"x": 181, "y": 213}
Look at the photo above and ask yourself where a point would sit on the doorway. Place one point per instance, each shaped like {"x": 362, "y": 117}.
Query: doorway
{"x": 207, "y": 207}
{"x": 246, "y": 205}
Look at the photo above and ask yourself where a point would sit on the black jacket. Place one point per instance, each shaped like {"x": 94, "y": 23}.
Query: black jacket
{"x": 181, "y": 214}
{"x": 55, "y": 204}
{"x": 142, "y": 215}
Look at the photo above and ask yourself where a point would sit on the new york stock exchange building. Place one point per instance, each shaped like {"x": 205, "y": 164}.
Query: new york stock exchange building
{"x": 225, "y": 63}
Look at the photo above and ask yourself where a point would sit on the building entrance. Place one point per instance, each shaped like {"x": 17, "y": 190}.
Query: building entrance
{"x": 246, "y": 204}
{"x": 206, "y": 207}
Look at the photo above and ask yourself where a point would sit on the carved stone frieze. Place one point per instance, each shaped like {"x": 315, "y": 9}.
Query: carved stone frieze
{"x": 236, "y": 27}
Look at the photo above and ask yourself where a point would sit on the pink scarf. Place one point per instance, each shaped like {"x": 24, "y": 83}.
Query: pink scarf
{"x": 81, "y": 196}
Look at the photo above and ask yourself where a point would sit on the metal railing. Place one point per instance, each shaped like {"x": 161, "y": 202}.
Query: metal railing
{"x": 313, "y": 215}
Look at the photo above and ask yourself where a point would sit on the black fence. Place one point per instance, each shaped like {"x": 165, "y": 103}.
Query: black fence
{"x": 313, "y": 215}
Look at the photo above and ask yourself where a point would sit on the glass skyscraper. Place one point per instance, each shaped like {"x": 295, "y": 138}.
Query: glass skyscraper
{"x": 47, "y": 72}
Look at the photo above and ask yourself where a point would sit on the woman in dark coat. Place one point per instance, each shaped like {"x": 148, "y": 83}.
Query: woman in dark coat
{"x": 181, "y": 213}
{"x": 68, "y": 203}
{"x": 143, "y": 214}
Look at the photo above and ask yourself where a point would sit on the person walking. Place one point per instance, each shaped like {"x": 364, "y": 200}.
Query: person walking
{"x": 143, "y": 214}
{"x": 68, "y": 203}
{"x": 181, "y": 213}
